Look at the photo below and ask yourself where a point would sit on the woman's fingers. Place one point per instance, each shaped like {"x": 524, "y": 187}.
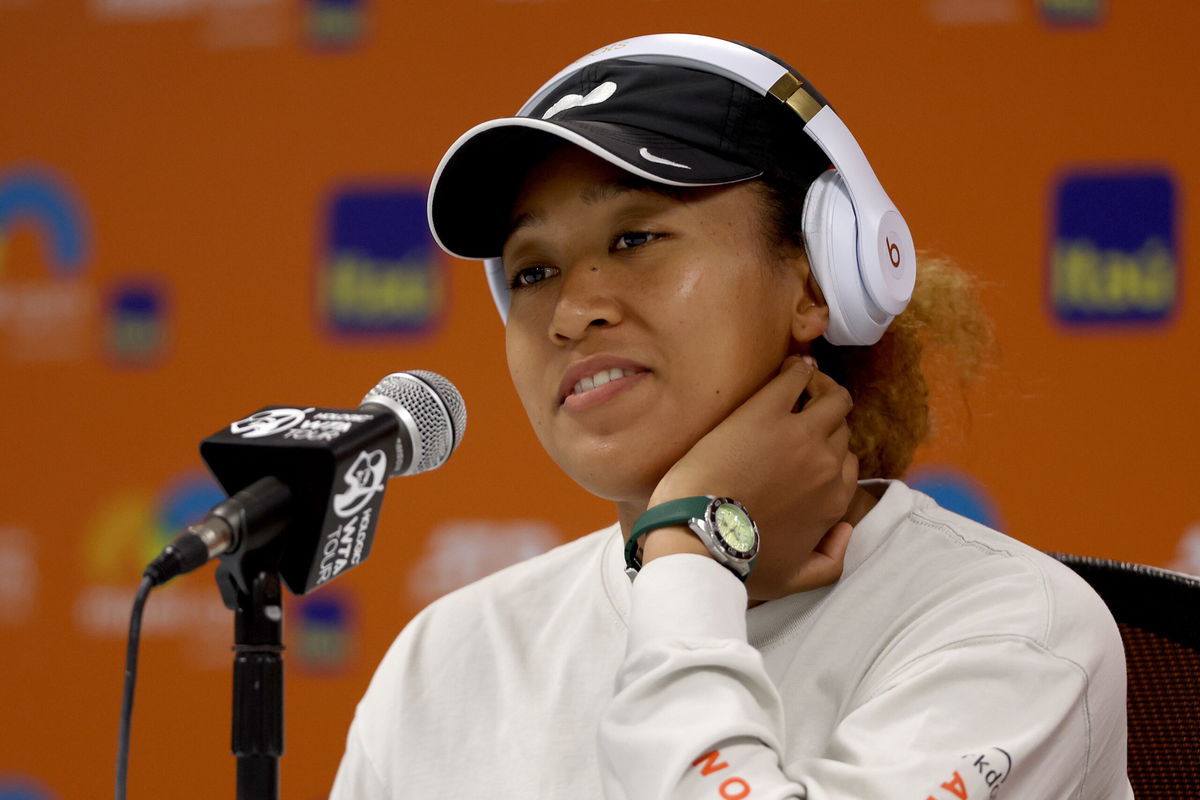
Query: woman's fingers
{"x": 829, "y": 403}
{"x": 781, "y": 392}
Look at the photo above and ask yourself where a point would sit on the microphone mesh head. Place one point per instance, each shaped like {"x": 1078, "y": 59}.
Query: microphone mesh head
{"x": 437, "y": 411}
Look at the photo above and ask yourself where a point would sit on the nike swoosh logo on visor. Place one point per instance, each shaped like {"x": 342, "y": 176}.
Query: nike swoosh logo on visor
{"x": 646, "y": 154}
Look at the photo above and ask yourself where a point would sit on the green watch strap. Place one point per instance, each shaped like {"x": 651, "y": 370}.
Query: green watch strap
{"x": 672, "y": 512}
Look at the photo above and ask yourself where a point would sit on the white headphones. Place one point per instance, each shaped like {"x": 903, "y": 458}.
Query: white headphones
{"x": 859, "y": 246}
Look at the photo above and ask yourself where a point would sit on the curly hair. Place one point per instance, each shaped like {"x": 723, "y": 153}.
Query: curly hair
{"x": 943, "y": 338}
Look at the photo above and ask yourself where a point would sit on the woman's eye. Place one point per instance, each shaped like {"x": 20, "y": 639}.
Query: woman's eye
{"x": 529, "y": 276}
{"x": 626, "y": 241}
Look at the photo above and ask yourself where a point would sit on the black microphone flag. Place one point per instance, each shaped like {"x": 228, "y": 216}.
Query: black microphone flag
{"x": 335, "y": 464}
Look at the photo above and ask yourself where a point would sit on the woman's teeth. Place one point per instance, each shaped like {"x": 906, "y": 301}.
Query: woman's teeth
{"x": 600, "y": 378}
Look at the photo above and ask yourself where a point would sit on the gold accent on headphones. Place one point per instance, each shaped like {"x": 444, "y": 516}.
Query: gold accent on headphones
{"x": 790, "y": 90}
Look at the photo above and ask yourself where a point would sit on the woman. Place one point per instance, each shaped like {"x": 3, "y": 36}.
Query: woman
{"x": 774, "y": 614}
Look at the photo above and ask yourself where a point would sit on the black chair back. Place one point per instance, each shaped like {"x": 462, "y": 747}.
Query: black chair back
{"x": 1158, "y": 612}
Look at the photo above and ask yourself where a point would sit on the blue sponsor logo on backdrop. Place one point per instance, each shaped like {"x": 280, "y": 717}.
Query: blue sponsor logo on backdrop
{"x": 324, "y": 633}
{"x": 1113, "y": 257}
{"x": 17, "y": 787}
{"x": 44, "y": 310}
{"x": 37, "y": 198}
{"x": 1073, "y": 12}
{"x": 134, "y": 525}
{"x": 956, "y": 491}
{"x": 335, "y": 24}
{"x": 381, "y": 271}
{"x": 136, "y": 325}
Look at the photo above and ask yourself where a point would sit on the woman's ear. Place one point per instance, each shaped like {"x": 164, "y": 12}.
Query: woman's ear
{"x": 810, "y": 314}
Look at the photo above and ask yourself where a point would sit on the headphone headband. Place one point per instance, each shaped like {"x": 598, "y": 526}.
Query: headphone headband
{"x": 731, "y": 61}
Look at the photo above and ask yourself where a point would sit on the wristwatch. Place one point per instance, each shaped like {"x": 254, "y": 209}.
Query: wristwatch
{"x": 722, "y": 523}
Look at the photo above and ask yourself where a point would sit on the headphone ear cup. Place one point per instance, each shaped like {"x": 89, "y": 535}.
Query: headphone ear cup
{"x": 831, "y": 241}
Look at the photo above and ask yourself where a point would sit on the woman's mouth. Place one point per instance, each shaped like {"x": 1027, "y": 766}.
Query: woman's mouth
{"x": 595, "y": 380}
{"x": 600, "y": 378}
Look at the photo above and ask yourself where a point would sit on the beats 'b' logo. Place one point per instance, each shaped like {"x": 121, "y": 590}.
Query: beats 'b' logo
{"x": 893, "y": 252}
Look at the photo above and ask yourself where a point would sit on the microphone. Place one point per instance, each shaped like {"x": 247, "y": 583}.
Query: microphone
{"x": 306, "y": 484}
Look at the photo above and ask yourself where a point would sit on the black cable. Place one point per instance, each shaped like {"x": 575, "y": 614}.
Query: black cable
{"x": 131, "y": 656}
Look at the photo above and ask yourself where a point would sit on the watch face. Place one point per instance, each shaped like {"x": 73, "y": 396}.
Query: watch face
{"x": 735, "y": 527}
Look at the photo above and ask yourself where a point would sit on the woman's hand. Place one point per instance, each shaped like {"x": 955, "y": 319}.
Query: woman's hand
{"x": 793, "y": 471}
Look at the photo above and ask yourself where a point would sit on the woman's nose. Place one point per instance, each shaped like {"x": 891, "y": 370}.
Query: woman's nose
{"x": 588, "y": 297}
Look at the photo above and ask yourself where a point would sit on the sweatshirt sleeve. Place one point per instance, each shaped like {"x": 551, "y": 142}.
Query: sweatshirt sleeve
{"x": 695, "y": 714}
{"x": 692, "y": 694}
{"x": 356, "y": 777}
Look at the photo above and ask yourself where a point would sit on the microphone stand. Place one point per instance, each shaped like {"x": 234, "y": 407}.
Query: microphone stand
{"x": 257, "y": 740}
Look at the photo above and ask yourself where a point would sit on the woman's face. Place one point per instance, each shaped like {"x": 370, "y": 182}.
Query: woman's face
{"x": 640, "y": 319}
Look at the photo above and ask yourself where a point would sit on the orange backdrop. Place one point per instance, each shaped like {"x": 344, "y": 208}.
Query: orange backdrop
{"x": 187, "y": 191}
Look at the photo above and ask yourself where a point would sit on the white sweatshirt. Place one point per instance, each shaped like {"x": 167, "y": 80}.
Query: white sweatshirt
{"x": 950, "y": 662}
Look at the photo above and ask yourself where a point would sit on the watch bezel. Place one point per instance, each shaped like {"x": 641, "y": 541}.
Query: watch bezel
{"x": 710, "y": 518}
{"x": 737, "y": 561}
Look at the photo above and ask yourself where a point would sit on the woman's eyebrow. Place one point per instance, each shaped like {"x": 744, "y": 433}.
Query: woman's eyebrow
{"x": 600, "y": 192}
{"x": 629, "y": 183}
{"x": 523, "y": 221}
